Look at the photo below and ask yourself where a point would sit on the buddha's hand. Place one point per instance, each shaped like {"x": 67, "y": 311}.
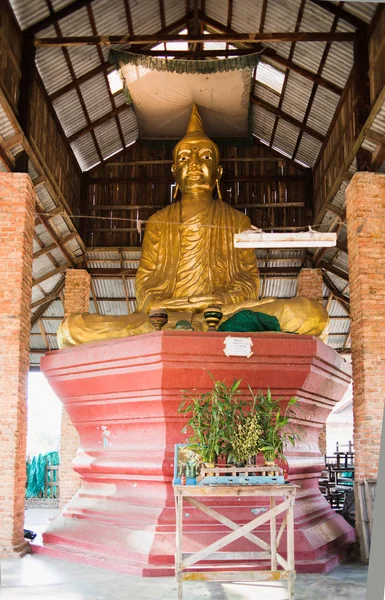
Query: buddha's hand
{"x": 192, "y": 304}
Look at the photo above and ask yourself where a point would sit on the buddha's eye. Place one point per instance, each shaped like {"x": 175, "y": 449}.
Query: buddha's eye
{"x": 182, "y": 158}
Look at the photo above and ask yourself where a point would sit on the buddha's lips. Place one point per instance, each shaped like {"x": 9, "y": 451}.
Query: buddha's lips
{"x": 194, "y": 175}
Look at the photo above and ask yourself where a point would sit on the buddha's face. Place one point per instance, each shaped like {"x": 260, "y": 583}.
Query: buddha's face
{"x": 195, "y": 165}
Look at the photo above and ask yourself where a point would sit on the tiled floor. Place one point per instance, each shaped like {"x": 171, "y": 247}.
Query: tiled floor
{"x": 37, "y": 577}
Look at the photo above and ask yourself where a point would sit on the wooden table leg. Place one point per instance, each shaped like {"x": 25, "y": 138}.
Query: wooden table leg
{"x": 273, "y": 536}
{"x": 179, "y": 534}
{"x": 290, "y": 545}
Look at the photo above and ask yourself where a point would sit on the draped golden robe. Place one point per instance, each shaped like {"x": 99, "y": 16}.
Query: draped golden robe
{"x": 194, "y": 258}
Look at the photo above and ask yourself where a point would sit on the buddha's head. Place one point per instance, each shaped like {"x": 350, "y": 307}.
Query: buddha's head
{"x": 196, "y": 165}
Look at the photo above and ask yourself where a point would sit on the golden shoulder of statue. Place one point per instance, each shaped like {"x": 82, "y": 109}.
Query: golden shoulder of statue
{"x": 189, "y": 261}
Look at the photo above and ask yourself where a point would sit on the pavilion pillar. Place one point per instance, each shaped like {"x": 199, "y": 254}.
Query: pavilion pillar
{"x": 365, "y": 211}
{"x": 76, "y": 299}
{"x": 310, "y": 284}
{"x": 17, "y": 211}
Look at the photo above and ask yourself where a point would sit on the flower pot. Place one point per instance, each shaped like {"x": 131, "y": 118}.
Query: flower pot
{"x": 270, "y": 463}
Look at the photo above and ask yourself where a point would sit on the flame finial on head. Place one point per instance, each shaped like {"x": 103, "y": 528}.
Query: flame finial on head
{"x": 195, "y": 124}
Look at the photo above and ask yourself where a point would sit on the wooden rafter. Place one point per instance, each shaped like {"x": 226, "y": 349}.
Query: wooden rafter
{"x": 342, "y": 300}
{"x": 235, "y": 38}
{"x": 45, "y": 302}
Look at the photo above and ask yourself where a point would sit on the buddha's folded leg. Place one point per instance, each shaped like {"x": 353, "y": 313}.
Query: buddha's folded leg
{"x": 295, "y": 315}
{"x": 86, "y": 327}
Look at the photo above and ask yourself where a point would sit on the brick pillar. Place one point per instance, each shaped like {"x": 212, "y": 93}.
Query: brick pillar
{"x": 310, "y": 284}
{"x": 322, "y": 440}
{"x": 17, "y": 212}
{"x": 76, "y": 299}
{"x": 365, "y": 211}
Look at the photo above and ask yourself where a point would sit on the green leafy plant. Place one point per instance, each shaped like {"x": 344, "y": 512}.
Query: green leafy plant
{"x": 276, "y": 427}
{"x": 213, "y": 417}
{"x": 247, "y": 438}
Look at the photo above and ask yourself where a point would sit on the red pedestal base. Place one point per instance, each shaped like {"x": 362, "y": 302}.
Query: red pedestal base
{"x": 123, "y": 397}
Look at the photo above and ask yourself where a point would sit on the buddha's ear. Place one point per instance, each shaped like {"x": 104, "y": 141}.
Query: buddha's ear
{"x": 218, "y": 181}
{"x": 173, "y": 169}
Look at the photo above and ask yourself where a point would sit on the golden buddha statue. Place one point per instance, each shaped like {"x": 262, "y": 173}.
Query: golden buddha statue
{"x": 189, "y": 261}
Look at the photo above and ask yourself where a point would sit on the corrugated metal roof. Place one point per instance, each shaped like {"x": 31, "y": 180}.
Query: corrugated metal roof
{"x": 284, "y": 287}
{"x": 52, "y": 64}
{"x": 339, "y": 326}
{"x": 6, "y": 129}
{"x": 262, "y": 122}
{"x": 217, "y": 10}
{"x": 109, "y": 288}
{"x": 85, "y": 152}
{"x": 95, "y": 96}
{"x": 55, "y": 309}
{"x": 110, "y": 16}
{"x": 45, "y": 198}
{"x": 336, "y": 310}
{"x": 145, "y": 16}
{"x": 286, "y": 136}
{"x": 362, "y": 10}
{"x": 129, "y": 124}
{"x": 70, "y": 112}
{"x": 50, "y": 326}
{"x": 108, "y": 138}
{"x": 246, "y": 16}
{"x": 264, "y": 93}
{"x": 277, "y": 13}
{"x": 339, "y": 63}
{"x": 308, "y": 150}
{"x": 33, "y": 11}
{"x": 173, "y": 11}
{"x": 297, "y": 94}
{"x": 323, "y": 108}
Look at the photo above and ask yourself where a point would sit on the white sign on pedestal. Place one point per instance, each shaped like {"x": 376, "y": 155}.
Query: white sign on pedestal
{"x": 238, "y": 346}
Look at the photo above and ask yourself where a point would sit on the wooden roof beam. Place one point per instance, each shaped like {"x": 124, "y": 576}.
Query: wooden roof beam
{"x": 235, "y": 38}
{"x": 286, "y": 117}
{"x": 337, "y": 295}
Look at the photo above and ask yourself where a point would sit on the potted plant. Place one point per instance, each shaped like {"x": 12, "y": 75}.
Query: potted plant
{"x": 246, "y": 440}
{"x": 213, "y": 416}
{"x": 276, "y": 427}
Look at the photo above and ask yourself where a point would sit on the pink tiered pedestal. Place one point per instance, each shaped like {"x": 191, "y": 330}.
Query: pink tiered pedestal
{"x": 123, "y": 397}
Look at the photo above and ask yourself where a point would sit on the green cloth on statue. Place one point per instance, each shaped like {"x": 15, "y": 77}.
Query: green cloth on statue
{"x": 247, "y": 320}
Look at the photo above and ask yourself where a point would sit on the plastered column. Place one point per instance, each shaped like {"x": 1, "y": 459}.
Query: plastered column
{"x": 17, "y": 210}
{"x": 310, "y": 284}
{"x": 365, "y": 211}
{"x": 76, "y": 299}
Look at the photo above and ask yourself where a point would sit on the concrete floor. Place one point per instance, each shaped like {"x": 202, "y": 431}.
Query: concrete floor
{"x": 37, "y": 577}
